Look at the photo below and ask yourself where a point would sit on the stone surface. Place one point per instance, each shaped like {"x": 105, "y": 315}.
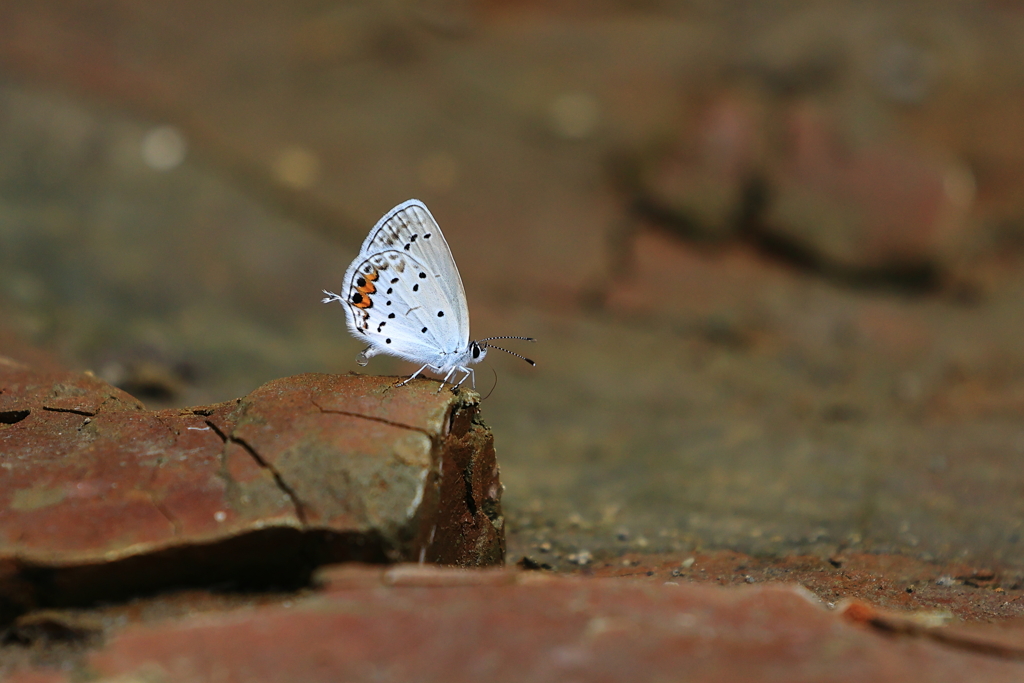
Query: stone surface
{"x": 699, "y": 185}
{"x": 893, "y": 583}
{"x": 102, "y": 498}
{"x": 1004, "y": 640}
{"x": 873, "y": 205}
{"x": 537, "y": 629}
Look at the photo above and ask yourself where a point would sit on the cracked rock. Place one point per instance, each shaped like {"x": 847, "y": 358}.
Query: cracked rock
{"x": 102, "y": 499}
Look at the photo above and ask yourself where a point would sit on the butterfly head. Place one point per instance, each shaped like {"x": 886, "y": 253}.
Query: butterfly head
{"x": 477, "y": 351}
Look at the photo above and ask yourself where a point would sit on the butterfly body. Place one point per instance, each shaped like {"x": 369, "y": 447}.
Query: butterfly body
{"x": 404, "y": 297}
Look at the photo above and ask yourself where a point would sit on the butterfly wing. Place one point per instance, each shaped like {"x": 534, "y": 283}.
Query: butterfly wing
{"x": 410, "y": 228}
{"x": 395, "y": 302}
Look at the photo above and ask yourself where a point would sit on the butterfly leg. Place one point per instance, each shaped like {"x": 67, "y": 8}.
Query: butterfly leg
{"x": 469, "y": 374}
{"x": 445, "y": 380}
{"x": 412, "y": 376}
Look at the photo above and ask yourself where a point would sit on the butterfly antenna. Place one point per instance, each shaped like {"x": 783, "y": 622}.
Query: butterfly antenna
{"x": 512, "y": 337}
{"x": 511, "y": 353}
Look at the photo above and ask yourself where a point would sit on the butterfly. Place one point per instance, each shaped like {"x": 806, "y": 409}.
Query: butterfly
{"x": 403, "y": 295}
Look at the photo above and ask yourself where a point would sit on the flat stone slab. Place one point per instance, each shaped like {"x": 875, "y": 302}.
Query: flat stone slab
{"x": 101, "y": 498}
{"x": 972, "y": 593}
{"x": 436, "y": 624}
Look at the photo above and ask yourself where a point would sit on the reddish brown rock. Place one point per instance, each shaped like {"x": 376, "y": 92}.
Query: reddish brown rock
{"x": 865, "y": 206}
{"x": 1004, "y": 641}
{"x": 700, "y": 183}
{"x": 535, "y": 629}
{"x": 891, "y": 583}
{"x": 102, "y": 498}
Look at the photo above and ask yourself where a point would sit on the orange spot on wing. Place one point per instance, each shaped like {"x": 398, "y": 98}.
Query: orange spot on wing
{"x": 365, "y": 289}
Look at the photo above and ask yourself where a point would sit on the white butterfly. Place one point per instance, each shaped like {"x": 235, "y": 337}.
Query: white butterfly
{"x": 404, "y": 296}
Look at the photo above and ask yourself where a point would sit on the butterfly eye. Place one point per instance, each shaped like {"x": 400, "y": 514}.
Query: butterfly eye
{"x": 476, "y": 351}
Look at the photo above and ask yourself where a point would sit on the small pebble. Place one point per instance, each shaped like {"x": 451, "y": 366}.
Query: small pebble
{"x": 582, "y": 557}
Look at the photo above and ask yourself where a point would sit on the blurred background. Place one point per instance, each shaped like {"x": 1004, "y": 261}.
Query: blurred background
{"x": 772, "y": 251}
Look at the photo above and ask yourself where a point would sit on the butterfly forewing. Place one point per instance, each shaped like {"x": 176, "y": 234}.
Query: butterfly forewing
{"x": 396, "y": 306}
{"x": 409, "y": 228}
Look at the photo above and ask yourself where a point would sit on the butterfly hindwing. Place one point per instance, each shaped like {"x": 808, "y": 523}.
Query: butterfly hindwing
{"x": 393, "y": 302}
